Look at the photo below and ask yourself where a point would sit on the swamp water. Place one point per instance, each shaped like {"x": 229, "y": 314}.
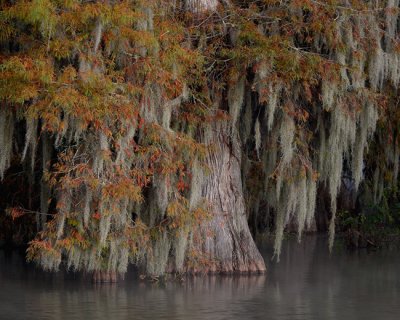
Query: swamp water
{"x": 307, "y": 283}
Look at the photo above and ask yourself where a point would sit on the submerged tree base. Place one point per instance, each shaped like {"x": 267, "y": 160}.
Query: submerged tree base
{"x": 105, "y": 277}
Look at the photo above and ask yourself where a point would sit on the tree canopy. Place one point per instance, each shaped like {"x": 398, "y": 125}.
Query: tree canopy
{"x": 133, "y": 117}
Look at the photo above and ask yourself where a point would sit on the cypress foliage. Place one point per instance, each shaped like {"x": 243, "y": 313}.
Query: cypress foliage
{"x": 127, "y": 105}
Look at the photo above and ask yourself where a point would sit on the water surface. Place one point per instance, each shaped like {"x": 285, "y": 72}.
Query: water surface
{"x": 307, "y": 283}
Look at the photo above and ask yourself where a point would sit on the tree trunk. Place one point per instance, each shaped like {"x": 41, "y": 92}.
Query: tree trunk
{"x": 226, "y": 239}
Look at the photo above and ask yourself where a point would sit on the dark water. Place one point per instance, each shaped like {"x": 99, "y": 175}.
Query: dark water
{"x": 306, "y": 284}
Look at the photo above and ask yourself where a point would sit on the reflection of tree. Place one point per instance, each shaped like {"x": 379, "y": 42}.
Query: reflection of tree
{"x": 307, "y": 283}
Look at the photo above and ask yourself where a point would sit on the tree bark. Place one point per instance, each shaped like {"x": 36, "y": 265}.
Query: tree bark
{"x": 226, "y": 239}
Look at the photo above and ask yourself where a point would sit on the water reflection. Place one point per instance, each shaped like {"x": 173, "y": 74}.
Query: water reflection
{"x": 308, "y": 283}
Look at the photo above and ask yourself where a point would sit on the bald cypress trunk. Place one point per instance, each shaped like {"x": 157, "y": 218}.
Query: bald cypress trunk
{"x": 227, "y": 241}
